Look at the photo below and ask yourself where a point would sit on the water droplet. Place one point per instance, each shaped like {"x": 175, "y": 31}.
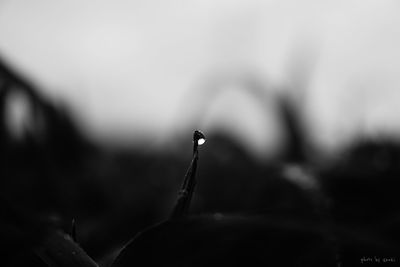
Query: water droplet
{"x": 201, "y": 141}
{"x": 199, "y": 137}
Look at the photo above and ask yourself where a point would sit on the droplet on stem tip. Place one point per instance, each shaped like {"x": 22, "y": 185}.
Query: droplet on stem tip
{"x": 199, "y": 137}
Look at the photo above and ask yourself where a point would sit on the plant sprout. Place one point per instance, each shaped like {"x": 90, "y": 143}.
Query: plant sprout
{"x": 185, "y": 194}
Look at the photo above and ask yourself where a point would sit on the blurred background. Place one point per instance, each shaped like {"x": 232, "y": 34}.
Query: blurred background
{"x": 99, "y": 100}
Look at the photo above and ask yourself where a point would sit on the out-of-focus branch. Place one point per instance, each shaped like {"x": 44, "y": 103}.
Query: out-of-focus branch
{"x": 10, "y": 75}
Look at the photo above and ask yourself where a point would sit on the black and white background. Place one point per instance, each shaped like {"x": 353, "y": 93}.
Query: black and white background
{"x": 299, "y": 101}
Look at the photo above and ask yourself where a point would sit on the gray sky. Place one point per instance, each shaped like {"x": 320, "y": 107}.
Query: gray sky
{"x": 127, "y": 67}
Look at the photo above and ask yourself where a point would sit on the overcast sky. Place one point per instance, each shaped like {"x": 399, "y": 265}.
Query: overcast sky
{"x": 129, "y": 68}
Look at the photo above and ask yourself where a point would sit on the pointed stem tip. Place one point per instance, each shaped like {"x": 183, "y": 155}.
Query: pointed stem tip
{"x": 73, "y": 231}
{"x": 198, "y": 139}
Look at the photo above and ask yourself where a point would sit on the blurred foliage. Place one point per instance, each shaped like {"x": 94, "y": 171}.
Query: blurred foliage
{"x": 54, "y": 173}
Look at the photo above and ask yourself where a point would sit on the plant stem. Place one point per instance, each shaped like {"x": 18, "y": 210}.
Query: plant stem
{"x": 187, "y": 189}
